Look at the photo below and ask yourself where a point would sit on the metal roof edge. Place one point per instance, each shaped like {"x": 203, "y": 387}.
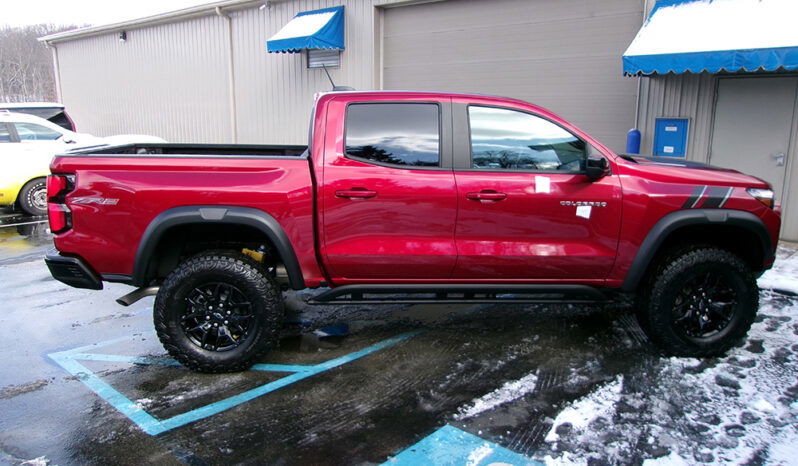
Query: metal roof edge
{"x": 162, "y": 18}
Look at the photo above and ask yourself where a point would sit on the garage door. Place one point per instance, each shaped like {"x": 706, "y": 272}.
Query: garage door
{"x": 562, "y": 54}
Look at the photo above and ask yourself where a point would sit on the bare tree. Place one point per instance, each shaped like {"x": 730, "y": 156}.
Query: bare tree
{"x": 26, "y": 65}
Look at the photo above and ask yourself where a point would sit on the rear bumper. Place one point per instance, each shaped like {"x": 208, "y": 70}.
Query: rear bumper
{"x": 72, "y": 270}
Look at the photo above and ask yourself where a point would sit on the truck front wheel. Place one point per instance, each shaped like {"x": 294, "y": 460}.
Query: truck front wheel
{"x": 699, "y": 302}
{"x": 217, "y": 312}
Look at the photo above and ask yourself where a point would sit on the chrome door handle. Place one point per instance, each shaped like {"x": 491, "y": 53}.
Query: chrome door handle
{"x": 779, "y": 158}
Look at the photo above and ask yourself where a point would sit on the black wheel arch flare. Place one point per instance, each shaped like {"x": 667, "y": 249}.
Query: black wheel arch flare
{"x": 691, "y": 217}
{"x": 235, "y": 215}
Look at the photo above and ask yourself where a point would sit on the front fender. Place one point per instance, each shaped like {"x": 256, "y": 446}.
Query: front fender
{"x": 682, "y": 218}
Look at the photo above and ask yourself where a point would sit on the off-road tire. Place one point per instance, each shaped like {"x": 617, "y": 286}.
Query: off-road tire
{"x": 234, "y": 271}
{"x": 33, "y": 197}
{"x": 676, "y": 284}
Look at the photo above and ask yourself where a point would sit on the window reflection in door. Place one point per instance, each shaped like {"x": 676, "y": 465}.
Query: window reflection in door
{"x": 503, "y": 139}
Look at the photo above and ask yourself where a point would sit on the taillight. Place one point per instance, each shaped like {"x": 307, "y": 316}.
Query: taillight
{"x": 59, "y": 185}
{"x": 59, "y": 216}
{"x": 58, "y": 213}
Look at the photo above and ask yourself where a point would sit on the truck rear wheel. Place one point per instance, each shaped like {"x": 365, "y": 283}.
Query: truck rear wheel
{"x": 699, "y": 302}
{"x": 218, "y": 312}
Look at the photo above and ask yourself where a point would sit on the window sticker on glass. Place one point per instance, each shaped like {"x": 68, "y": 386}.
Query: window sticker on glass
{"x": 505, "y": 139}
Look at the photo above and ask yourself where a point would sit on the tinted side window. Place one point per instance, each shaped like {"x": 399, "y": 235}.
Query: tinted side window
{"x": 399, "y": 134}
{"x": 34, "y": 132}
{"x": 5, "y": 135}
{"x": 508, "y": 140}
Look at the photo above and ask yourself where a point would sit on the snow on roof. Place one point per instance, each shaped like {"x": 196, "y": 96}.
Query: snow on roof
{"x": 703, "y": 25}
{"x": 721, "y": 34}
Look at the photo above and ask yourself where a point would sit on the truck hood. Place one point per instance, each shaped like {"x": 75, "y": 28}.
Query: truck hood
{"x": 676, "y": 170}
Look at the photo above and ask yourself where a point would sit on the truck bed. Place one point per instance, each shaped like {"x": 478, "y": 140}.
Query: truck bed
{"x": 265, "y": 150}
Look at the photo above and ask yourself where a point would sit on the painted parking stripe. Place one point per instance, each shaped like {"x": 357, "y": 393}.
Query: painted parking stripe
{"x": 452, "y": 446}
{"x": 154, "y": 426}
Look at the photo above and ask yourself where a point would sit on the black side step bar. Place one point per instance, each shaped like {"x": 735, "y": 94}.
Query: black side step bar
{"x": 472, "y": 294}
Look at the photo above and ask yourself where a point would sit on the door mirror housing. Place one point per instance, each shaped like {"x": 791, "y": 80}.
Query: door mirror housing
{"x": 596, "y": 168}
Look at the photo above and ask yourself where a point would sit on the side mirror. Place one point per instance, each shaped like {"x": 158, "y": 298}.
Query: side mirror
{"x": 596, "y": 168}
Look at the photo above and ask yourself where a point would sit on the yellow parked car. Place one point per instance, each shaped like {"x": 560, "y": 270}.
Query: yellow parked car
{"x": 27, "y": 145}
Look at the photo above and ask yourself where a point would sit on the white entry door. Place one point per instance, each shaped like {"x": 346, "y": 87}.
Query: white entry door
{"x": 754, "y": 122}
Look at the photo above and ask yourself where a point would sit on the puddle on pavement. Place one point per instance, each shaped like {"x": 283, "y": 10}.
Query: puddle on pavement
{"x": 363, "y": 410}
{"x": 166, "y": 391}
{"x": 23, "y": 234}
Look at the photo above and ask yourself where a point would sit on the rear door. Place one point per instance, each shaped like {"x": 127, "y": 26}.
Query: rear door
{"x": 388, "y": 195}
{"x": 526, "y": 209}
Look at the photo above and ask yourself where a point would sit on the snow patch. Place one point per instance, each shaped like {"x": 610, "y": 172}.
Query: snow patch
{"x": 479, "y": 454}
{"x": 40, "y": 461}
{"x": 763, "y": 405}
{"x": 510, "y": 391}
{"x": 784, "y": 450}
{"x": 784, "y": 274}
{"x": 671, "y": 460}
{"x": 599, "y": 403}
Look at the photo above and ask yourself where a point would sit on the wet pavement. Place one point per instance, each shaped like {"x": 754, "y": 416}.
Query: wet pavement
{"x": 85, "y": 381}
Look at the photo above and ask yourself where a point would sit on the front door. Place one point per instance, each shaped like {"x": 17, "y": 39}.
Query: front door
{"x": 527, "y": 211}
{"x": 388, "y": 195}
{"x": 754, "y": 121}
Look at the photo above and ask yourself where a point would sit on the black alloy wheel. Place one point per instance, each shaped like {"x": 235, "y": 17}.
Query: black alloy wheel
{"x": 705, "y": 307}
{"x": 698, "y": 302}
{"x": 218, "y": 312}
{"x": 217, "y": 317}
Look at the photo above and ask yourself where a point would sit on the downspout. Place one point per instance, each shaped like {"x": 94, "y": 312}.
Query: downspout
{"x": 231, "y": 83}
{"x": 640, "y": 77}
{"x": 56, "y": 72}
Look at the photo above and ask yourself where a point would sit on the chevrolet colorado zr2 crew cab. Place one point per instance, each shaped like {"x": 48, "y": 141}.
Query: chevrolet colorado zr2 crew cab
{"x": 411, "y": 197}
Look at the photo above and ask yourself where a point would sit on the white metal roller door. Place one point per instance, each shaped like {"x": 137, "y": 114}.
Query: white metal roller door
{"x": 562, "y": 54}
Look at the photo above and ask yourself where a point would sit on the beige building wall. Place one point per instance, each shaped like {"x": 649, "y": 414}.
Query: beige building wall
{"x": 693, "y": 96}
{"x": 564, "y": 55}
{"x": 167, "y": 80}
{"x": 174, "y": 79}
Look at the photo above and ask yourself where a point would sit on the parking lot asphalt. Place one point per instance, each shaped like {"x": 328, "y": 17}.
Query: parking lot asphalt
{"x": 85, "y": 381}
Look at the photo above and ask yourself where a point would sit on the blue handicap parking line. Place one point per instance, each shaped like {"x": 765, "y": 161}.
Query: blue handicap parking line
{"x": 154, "y": 426}
{"x": 452, "y": 446}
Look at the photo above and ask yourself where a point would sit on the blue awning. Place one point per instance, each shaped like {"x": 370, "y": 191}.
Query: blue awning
{"x": 715, "y": 35}
{"x": 317, "y": 29}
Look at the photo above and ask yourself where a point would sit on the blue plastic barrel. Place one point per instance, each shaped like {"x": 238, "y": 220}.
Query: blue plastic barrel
{"x": 633, "y": 141}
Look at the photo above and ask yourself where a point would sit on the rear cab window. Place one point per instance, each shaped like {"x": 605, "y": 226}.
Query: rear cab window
{"x": 504, "y": 139}
{"x": 403, "y": 135}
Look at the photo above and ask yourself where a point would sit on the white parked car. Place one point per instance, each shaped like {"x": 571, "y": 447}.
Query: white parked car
{"x": 28, "y": 144}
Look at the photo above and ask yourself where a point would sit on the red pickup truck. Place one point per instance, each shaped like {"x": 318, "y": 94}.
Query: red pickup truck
{"x": 411, "y": 197}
